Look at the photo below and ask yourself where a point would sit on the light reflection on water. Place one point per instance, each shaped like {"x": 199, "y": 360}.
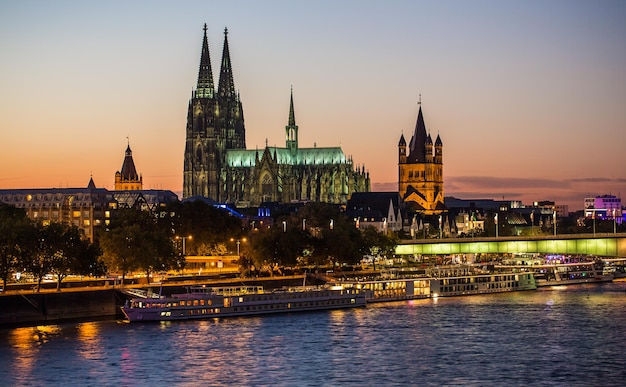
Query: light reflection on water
{"x": 552, "y": 336}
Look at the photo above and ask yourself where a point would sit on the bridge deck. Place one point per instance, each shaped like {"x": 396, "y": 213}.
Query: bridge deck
{"x": 607, "y": 245}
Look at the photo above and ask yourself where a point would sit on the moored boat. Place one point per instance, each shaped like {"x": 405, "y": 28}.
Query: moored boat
{"x": 570, "y": 274}
{"x": 456, "y": 280}
{"x": 205, "y": 302}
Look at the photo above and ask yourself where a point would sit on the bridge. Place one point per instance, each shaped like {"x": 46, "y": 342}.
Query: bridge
{"x": 605, "y": 245}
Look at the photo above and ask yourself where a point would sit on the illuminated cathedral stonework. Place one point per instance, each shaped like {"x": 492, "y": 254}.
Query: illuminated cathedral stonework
{"x": 420, "y": 171}
{"x": 218, "y": 166}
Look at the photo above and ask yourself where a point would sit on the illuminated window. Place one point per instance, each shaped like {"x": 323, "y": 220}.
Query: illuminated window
{"x": 86, "y": 222}
{"x": 76, "y": 214}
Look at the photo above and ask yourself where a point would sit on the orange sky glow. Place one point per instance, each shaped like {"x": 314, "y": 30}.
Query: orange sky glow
{"x": 528, "y": 97}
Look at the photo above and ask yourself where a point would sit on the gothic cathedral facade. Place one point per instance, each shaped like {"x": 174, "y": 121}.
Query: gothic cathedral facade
{"x": 420, "y": 170}
{"x": 218, "y": 166}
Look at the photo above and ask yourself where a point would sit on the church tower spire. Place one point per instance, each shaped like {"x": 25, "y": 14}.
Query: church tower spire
{"x": 420, "y": 173}
{"x": 226, "y": 87}
{"x": 292, "y": 129}
{"x": 127, "y": 178}
{"x": 205, "y": 87}
{"x": 417, "y": 146}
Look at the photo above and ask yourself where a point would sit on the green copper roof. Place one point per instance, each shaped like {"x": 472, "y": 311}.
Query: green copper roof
{"x": 303, "y": 156}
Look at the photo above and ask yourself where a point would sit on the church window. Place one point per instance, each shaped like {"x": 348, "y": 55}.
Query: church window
{"x": 266, "y": 185}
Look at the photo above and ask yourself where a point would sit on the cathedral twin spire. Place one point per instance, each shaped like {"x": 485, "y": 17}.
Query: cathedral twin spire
{"x": 205, "y": 87}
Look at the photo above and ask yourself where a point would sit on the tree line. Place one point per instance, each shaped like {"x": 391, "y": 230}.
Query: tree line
{"x": 139, "y": 241}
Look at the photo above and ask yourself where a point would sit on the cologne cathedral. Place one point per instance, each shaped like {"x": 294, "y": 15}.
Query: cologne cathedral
{"x": 420, "y": 170}
{"x": 218, "y": 166}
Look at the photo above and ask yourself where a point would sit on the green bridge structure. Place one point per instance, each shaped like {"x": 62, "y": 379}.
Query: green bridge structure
{"x": 602, "y": 245}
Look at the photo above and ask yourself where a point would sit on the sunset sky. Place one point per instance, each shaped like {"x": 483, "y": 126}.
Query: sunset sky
{"x": 529, "y": 97}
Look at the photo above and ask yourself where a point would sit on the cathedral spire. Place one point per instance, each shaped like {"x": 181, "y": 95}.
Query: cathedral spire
{"x": 205, "y": 88}
{"x": 291, "y": 130}
{"x": 226, "y": 86}
{"x": 292, "y": 116}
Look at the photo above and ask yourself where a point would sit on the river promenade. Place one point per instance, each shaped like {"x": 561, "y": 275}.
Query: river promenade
{"x": 101, "y": 299}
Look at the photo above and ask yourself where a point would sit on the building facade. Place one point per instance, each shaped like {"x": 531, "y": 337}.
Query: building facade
{"x": 218, "y": 166}
{"x": 86, "y": 208}
{"x": 420, "y": 170}
{"x": 90, "y": 208}
{"x": 603, "y": 207}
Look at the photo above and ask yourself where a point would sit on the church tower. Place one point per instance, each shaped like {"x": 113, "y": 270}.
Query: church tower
{"x": 127, "y": 178}
{"x": 420, "y": 170}
{"x": 291, "y": 130}
{"x": 214, "y": 124}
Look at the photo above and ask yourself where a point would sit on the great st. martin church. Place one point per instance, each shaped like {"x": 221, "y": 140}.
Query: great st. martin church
{"x": 218, "y": 165}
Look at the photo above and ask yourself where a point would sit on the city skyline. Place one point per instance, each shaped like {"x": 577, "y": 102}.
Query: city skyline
{"x": 527, "y": 97}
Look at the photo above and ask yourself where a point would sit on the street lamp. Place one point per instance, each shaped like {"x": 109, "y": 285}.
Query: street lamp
{"x": 554, "y": 221}
{"x": 440, "y": 221}
{"x": 238, "y": 242}
{"x": 495, "y": 220}
{"x": 614, "y": 223}
{"x": 184, "y": 238}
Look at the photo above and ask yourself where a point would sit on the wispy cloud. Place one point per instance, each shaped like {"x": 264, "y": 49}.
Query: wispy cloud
{"x": 562, "y": 191}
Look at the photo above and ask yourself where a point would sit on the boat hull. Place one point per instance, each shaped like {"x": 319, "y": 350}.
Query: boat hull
{"x": 191, "y": 307}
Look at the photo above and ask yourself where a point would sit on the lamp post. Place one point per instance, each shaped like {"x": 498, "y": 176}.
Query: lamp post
{"x": 184, "y": 238}
{"x": 593, "y": 216}
{"x": 614, "y": 223}
{"x": 440, "y": 231}
{"x": 554, "y": 221}
{"x": 238, "y": 242}
{"x": 495, "y": 220}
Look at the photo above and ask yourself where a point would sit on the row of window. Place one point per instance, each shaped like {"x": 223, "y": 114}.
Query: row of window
{"x": 470, "y": 288}
{"x": 265, "y": 307}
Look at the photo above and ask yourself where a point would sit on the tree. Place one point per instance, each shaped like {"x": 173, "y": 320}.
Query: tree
{"x": 136, "y": 241}
{"x": 378, "y": 244}
{"x": 17, "y": 238}
{"x": 211, "y": 227}
{"x": 69, "y": 251}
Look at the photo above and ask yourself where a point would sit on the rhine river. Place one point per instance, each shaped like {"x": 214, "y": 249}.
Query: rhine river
{"x": 561, "y": 336}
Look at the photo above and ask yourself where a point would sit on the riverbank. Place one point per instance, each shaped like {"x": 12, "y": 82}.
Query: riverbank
{"x": 27, "y": 308}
